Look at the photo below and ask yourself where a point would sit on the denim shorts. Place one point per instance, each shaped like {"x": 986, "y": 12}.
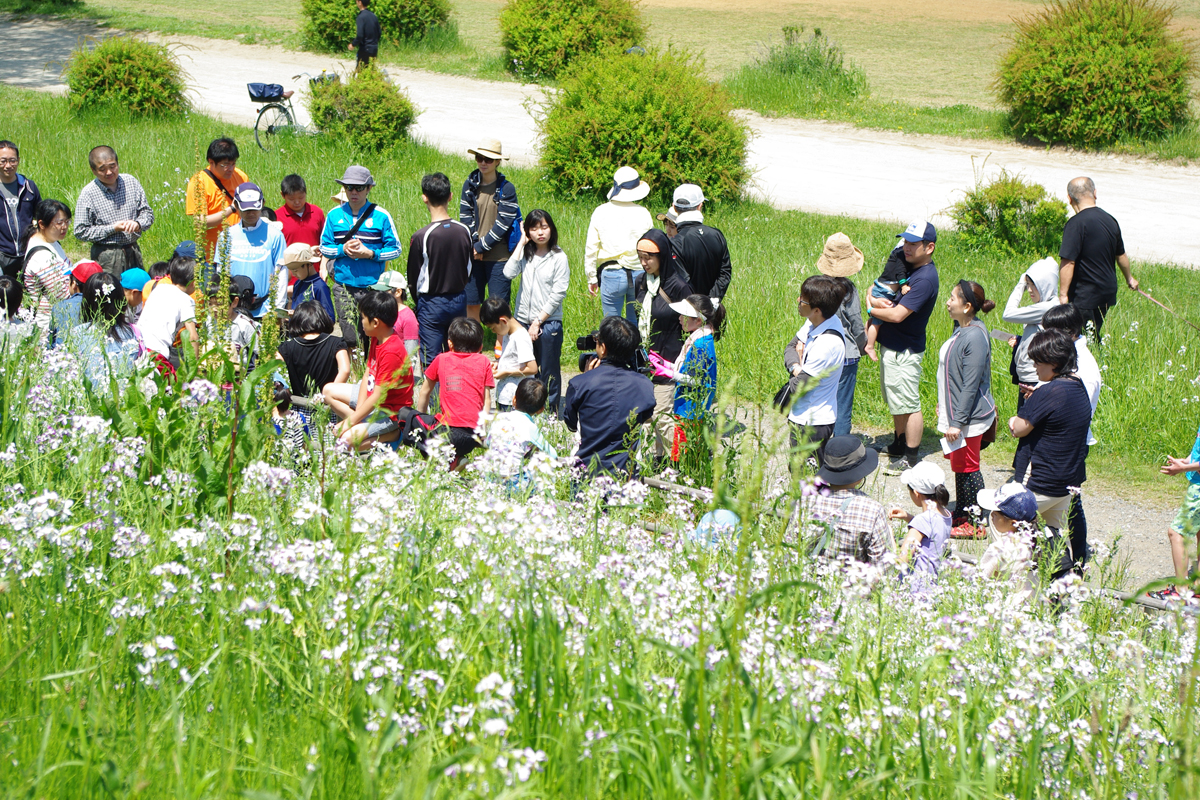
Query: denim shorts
{"x": 378, "y": 422}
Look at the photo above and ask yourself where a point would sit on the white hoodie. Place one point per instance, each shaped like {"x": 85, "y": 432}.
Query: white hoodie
{"x": 1044, "y": 275}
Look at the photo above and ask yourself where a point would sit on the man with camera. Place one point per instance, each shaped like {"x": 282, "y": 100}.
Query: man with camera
{"x": 609, "y": 399}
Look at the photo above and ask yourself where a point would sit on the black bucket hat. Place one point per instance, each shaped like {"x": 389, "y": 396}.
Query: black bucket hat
{"x": 847, "y": 461}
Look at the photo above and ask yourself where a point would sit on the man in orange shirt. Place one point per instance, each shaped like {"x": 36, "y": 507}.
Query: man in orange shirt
{"x": 217, "y": 183}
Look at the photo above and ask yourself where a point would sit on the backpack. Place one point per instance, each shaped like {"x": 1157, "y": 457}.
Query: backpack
{"x": 415, "y": 429}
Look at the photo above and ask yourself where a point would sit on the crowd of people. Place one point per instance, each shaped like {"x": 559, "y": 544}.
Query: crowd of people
{"x": 652, "y": 361}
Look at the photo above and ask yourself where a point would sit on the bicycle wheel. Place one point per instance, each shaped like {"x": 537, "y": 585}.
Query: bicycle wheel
{"x": 272, "y": 119}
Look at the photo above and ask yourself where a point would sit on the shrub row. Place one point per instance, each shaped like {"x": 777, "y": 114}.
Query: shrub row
{"x": 329, "y": 24}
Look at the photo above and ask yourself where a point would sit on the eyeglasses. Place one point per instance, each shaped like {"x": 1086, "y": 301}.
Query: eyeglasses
{"x": 9, "y": 162}
{"x": 804, "y": 302}
{"x": 226, "y": 164}
{"x": 484, "y": 160}
{"x": 357, "y": 188}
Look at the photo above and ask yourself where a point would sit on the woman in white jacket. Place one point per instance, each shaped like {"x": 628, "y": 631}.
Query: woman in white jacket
{"x": 1040, "y": 281}
{"x": 545, "y": 277}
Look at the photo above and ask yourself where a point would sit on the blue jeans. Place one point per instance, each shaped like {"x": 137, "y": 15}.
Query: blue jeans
{"x": 435, "y": 312}
{"x": 489, "y": 276}
{"x": 616, "y": 293}
{"x": 845, "y": 397}
{"x": 547, "y": 350}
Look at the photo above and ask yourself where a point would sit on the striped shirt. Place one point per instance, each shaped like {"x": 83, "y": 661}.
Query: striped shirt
{"x": 46, "y": 279}
{"x": 99, "y": 208}
{"x": 377, "y": 233}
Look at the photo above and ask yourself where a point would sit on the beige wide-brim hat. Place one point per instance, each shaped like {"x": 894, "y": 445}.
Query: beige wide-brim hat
{"x": 489, "y": 148}
{"x": 841, "y": 258}
{"x": 628, "y": 186}
{"x": 340, "y": 196}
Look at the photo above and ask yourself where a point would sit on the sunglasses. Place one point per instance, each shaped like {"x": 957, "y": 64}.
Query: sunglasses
{"x": 357, "y": 188}
{"x": 484, "y": 160}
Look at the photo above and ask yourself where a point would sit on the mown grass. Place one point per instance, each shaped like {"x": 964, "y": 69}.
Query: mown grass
{"x": 1143, "y": 416}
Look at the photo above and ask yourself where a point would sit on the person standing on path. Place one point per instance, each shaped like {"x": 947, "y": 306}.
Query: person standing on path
{"x": 841, "y": 259}
{"x": 359, "y": 239}
{"x": 20, "y": 196}
{"x": 1091, "y": 244}
{"x": 815, "y": 358}
{"x": 966, "y": 409}
{"x": 610, "y": 258}
{"x": 902, "y": 341}
{"x": 367, "y": 35}
{"x": 488, "y": 207}
{"x": 439, "y": 268}
{"x": 701, "y": 248}
{"x": 210, "y": 191}
{"x": 112, "y": 214}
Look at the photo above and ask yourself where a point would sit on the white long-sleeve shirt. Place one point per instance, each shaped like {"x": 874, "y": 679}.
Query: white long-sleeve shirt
{"x": 613, "y": 235}
{"x": 544, "y": 283}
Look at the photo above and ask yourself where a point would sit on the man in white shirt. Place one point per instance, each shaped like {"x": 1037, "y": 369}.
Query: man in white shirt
{"x": 814, "y": 358}
{"x": 610, "y": 258}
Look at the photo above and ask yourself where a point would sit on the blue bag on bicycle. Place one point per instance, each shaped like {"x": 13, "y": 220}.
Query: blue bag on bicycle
{"x": 265, "y": 92}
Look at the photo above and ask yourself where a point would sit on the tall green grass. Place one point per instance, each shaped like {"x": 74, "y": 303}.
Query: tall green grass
{"x": 1143, "y": 415}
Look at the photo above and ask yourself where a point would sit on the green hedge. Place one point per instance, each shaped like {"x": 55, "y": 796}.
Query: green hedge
{"x": 1092, "y": 72}
{"x": 136, "y": 75}
{"x": 543, "y": 39}
{"x": 657, "y": 112}
{"x": 367, "y": 111}
{"x": 329, "y": 24}
{"x": 1011, "y": 216}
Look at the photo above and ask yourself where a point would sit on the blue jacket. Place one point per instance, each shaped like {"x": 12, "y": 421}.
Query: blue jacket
{"x": 377, "y": 233}
{"x": 16, "y": 220}
{"x": 599, "y": 404}
{"x": 507, "y": 212}
{"x": 696, "y": 388}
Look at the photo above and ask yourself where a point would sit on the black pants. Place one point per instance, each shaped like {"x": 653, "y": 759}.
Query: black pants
{"x": 800, "y": 434}
{"x": 345, "y": 306}
{"x": 1096, "y": 317}
{"x": 364, "y": 60}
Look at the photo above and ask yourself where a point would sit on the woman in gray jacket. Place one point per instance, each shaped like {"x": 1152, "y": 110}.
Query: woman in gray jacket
{"x": 966, "y": 409}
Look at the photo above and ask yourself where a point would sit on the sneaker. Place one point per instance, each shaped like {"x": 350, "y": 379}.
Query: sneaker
{"x": 967, "y": 530}
{"x": 1167, "y": 595}
{"x": 896, "y": 448}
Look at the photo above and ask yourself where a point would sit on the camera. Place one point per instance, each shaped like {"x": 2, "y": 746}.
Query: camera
{"x": 587, "y": 347}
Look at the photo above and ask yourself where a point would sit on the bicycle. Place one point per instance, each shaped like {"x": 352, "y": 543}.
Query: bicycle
{"x": 278, "y": 115}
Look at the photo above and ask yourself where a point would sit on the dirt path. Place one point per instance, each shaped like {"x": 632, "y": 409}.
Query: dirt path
{"x": 803, "y": 164}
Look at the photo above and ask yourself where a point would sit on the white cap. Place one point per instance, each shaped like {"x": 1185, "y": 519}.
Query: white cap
{"x": 688, "y": 197}
{"x": 924, "y": 478}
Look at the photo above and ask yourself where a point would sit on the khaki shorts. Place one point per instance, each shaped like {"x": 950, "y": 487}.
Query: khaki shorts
{"x": 1053, "y": 509}
{"x": 900, "y": 380}
{"x": 1187, "y": 521}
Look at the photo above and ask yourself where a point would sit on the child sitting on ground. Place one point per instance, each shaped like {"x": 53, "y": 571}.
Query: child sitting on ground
{"x": 133, "y": 280}
{"x": 928, "y": 531}
{"x": 406, "y": 322}
{"x": 1187, "y": 521}
{"x": 243, "y": 330}
{"x": 369, "y": 410}
{"x": 170, "y": 310}
{"x": 1013, "y": 520}
{"x": 517, "y": 360}
{"x": 513, "y": 435}
{"x": 466, "y": 381}
{"x": 891, "y": 285}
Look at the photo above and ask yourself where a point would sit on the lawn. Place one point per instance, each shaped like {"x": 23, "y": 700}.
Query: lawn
{"x": 187, "y": 611}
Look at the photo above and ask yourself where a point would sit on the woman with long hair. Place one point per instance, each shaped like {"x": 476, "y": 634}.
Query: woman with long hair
{"x": 545, "y": 278}
{"x": 46, "y": 263}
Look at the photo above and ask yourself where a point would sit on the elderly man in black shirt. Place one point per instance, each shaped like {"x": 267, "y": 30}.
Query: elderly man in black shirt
{"x": 1091, "y": 244}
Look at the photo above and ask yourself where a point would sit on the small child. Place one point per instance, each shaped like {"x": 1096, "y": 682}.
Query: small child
{"x": 513, "y": 435}
{"x": 1187, "y": 521}
{"x": 406, "y": 323}
{"x": 369, "y": 413}
{"x": 66, "y": 314}
{"x": 289, "y": 425}
{"x": 928, "y": 531}
{"x": 1013, "y": 521}
{"x": 133, "y": 280}
{"x": 13, "y": 329}
{"x": 517, "y": 360}
{"x": 891, "y": 285}
{"x": 466, "y": 379}
{"x": 302, "y": 262}
{"x": 243, "y": 330}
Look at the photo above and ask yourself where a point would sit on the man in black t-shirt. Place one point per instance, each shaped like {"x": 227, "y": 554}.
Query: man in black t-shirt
{"x": 1091, "y": 244}
{"x": 439, "y": 266}
{"x": 367, "y": 34}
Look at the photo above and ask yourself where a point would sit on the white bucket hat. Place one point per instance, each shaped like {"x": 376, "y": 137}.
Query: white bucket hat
{"x": 628, "y": 186}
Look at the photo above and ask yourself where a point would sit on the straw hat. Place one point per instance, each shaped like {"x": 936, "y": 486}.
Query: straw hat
{"x": 490, "y": 148}
{"x": 841, "y": 258}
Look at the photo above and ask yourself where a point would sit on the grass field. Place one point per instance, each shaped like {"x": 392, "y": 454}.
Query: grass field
{"x": 1152, "y": 361}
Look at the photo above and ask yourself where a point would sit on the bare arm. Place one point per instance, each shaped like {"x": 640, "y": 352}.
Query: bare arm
{"x": 1020, "y": 428}
{"x": 343, "y": 364}
{"x": 892, "y": 314}
{"x": 1066, "y": 273}
{"x": 1177, "y": 465}
{"x": 190, "y": 327}
{"x": 1123, "y": 263}
{"x": 426, "y": 389}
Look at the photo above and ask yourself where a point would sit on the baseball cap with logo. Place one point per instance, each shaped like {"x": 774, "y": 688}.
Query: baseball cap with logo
{"x": 919, "y": 231}
{"x": 1012, "y": 500}
{"x": 249, "y": 197}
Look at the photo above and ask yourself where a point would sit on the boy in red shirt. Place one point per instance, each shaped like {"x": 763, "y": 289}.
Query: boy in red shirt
{"x": 464, "y": 374}
{"x": 302, "y": 221}
{"x": 369, "y": 411}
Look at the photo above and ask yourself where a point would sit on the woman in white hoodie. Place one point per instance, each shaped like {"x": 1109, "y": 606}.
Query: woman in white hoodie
{"x": 1040, "y": 281}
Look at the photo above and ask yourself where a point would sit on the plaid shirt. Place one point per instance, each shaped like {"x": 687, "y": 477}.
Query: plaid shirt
{"x": 99, "y": 208}
{"x": 860, "y": 529}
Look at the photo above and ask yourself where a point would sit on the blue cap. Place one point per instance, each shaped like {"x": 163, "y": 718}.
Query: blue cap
{"x": 134, "y": 279}
{"x": 248, "y": 197}
{"x": 715, "y": 525}
{"x": 1012, "y": 500}
{"x": 919, "y": 231}
{"x": 186, "y": 249}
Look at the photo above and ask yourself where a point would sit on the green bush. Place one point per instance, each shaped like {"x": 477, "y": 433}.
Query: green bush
{"x": 122, "y": 71}
{"x": 329, "y": 24}
{"x": 1010, "y": 216}
{"x": 367, "y": 110}
{"x": 655, "y": 112}
{"x": 1092, "y": 72}
{"x": 542, "y": 39}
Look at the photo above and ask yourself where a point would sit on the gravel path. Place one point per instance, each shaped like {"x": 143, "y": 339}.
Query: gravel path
{"x": 830, "y": 168}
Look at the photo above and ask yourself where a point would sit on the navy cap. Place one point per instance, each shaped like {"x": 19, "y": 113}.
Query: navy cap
{"x": 186, "y": 250}
{"x": 919, "y": 231}
{"x": 1012, "y": 500}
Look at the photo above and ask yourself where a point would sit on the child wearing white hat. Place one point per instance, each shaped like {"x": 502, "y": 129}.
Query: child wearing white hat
{"x": 928, "y": 531}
